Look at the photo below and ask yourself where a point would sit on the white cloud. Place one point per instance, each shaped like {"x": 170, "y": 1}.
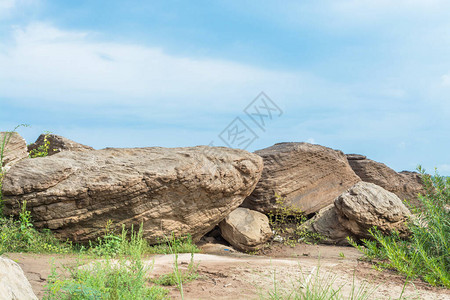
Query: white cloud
{"x": 8, "y": 7}
{"x": 7, "y": 4}
{"x": 445, "y": 80}
{"x": 50, "y": 64}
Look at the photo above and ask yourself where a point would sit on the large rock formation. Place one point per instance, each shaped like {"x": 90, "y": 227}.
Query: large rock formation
{"x": 357, "y": 210}
{"x": 245, "y": 229}
{"x": 15, "y": 149}
{"x": 57, "y": 144}
{"x": 309, "y": 176}
{"x": 13, "y": 283}
{"x": 179, "y": 190}
{"x": 406, "y": 185}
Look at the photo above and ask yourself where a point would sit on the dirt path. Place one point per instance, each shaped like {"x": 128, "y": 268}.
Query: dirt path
{"x": 225, "y": 274}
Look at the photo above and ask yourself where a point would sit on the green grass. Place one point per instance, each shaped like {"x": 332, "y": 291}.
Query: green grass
{"x": 20, "y": 236}
{"x": 121, "y": 272}
{"x": 426, "y": 253}
{"x": 124, "y": 278}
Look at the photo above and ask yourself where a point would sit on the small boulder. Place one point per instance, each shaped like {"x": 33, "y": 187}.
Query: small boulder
{"x": 245, "y": 229}
{"x": 15, "y": 149}
{"x": 57, "y": 144}
{"x": 13, "y": 283}
{"x": 406, "y": 185}
{"x": 309, "y": 176}
{"x": 357, "y": 210}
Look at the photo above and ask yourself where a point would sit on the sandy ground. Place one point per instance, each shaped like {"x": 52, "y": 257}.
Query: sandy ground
{"x": 227, "y": 274}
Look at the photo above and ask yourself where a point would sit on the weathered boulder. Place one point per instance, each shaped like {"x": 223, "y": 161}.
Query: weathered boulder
{"x": 245, "y": 229}
{"x": 179, "y": 190}
{"x": 13, "y": 283}
{"x": 15, "y": 149}
{"x": 406, "y": 185}
{"x": 57, "y": 144}
{"x": 357, "y": 210}
{"x": 366, "y": 205}
{"x": 309, "y": 176}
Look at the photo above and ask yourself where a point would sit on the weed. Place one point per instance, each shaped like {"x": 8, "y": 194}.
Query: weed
{"x": 178, "y": 276}
{"x": 43, "y": 149}
{"x": 106, "y": 279}
{"x": 122, "y": 273}
{"x": 286, "y": 221}
{"x": 110, "y": 244}
{"x": 128, "y": 242}
{"x": 183, "y": 244}
{"x": 20, "y": 236}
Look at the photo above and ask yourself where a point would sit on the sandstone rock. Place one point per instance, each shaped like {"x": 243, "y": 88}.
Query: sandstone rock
{"x": 355, "y": 157}
{"x": 15, "y": 150}
{"x": 179, "y": 190}
{"x": 406, "y": 185}
{"x": 58, "y": 144}
{"x": 357, "y": 210}
{"x": 13, "y": 283}
{"x": 309, "y": 176}
{"x": 245, "y": 229}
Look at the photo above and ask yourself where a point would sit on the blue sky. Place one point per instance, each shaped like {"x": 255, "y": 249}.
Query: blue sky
{"x": 370, "y": 77}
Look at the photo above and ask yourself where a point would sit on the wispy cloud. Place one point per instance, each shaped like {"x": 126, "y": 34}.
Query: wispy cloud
{"x": 9, "y": 7}
{"x": 51, "y": 64}
{"x": 6, "y": 6}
